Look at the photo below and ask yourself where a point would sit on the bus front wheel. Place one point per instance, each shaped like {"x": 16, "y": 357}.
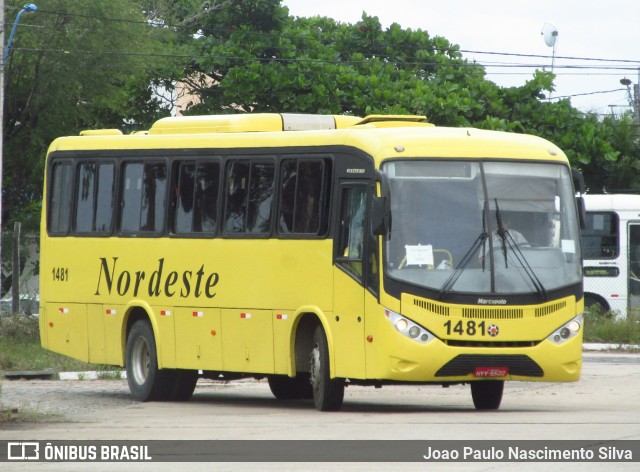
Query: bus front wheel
{"x": 146, "y": 381}
{"x": 182, "y": 384}
{"x": 328, "y": 393}
{"x": 487, "y": 395}
{"x": 291, "y": 388}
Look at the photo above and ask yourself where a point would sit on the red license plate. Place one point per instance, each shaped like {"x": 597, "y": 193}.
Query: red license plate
{"x": 491, "y": 372}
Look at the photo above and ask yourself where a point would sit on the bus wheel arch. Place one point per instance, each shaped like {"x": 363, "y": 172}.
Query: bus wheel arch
{"x": 312, "y": 362}
{"x": 298, "y": 387}
{"x": 147, "y": 381}
{"x": 303, "y": 342}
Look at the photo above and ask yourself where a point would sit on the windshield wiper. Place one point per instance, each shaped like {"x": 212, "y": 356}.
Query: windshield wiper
{"x": 480, "y": 242}
{"x": 502, "y": 233}
{"x": 508, "y": 242}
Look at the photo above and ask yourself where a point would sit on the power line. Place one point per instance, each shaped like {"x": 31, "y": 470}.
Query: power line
{"x": 590, "y": 93}
{"x": 381, "y": 44}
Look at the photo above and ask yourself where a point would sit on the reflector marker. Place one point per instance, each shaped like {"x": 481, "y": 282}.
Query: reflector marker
{"x": 245, "y": 315}
{"x": 198, "y": 314}
{"x": 280, "y": 316}
{"x": 165, "y": 312}
{"x": 63, "y": 310}
{"x": 111, "y": 312}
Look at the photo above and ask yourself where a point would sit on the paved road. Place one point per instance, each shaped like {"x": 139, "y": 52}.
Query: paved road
{"x": 603, "y": 405}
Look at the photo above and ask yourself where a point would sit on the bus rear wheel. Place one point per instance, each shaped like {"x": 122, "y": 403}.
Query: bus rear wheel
{"x": 487, "y": 395}
{"x": 328, "y": 393}
{"x": 146, "y": 381}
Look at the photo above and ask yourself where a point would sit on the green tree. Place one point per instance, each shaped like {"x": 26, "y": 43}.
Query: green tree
{"x": 260, "y": 59}
{"x": 253, "y": 57}
{"x": 623, "y": 173}
{"x": 75, "y": 65}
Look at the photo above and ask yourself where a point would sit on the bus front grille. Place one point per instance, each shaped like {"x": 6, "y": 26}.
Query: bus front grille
{"x": 466, "y": 364}
{"x": 499, "y": 344}
{"x": 493, "y": 313}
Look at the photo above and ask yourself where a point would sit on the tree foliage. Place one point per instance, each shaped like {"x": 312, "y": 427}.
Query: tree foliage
{"x": 260, "y": 59}
{"x": 87, "y": 64}
{"x": 73, "y": 65}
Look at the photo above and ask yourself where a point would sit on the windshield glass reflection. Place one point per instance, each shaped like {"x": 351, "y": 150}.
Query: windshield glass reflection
{"x": 482, "y": 227}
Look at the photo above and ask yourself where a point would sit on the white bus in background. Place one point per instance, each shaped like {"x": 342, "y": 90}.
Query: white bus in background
{"x": 611, "y": 253}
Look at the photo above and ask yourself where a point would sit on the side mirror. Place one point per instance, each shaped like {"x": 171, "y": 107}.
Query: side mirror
{"x": 380, "y": 216}
{"x": 582, "y": 210}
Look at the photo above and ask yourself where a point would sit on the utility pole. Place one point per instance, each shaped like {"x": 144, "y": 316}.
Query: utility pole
{"x": 633, "y": 93}
{"x": 2, "y": 28}
{"x": 6, "y": 50}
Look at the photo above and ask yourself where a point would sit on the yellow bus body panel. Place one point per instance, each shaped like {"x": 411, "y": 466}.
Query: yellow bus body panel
{"x": 234, "y": 304}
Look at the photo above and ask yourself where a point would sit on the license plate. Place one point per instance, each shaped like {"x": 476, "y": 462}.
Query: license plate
{"x": 491, "y": 372}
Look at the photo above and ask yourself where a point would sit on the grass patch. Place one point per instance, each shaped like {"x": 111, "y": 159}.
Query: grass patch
{"x": 22, "y": 415}
{"x": 20, "y": 349}
{"x": 606, "y": 328}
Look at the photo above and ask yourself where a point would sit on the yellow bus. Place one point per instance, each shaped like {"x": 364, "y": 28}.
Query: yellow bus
{"x": 317, "y": 252}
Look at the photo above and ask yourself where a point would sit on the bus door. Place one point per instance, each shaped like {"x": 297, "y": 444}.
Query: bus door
{"x": 634, "y": 265}
{"x": 347, "y": 322}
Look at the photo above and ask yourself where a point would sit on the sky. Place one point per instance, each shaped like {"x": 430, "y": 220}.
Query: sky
{"x": 586, "y": 29}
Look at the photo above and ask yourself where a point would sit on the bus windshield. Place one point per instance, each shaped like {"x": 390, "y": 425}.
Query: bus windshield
{"x": 482, "y": 227}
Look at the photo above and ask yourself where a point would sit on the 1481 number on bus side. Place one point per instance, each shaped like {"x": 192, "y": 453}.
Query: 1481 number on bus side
{"x": 60, "y": 274}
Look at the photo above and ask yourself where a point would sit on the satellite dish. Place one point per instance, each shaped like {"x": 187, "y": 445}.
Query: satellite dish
{"x": 550, "y": 34}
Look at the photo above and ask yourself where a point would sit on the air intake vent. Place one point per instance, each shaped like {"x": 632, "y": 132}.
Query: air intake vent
{"x": 493, "y": 313}
{"x": 432, "y": 307}
{"x": 550, "y": 309}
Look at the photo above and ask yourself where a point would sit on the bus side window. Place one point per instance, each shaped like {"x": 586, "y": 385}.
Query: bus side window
{"x": 61, "y": 190}
{"x": 600, "y": 237}
{"x": 196, "y": 196}
{"x": 94, "y": 199}
{"x": 207, "y": 185}
{"x": 303, "y": 197}
{"x": 183, "y": 216}
{"x": 249, "y": 196}
{"x": 352, "y": 231}
{"x": 143, "y": 197}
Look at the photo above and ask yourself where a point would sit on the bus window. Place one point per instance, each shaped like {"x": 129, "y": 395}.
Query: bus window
{"x": 302, "y": 197}
{"x": 372, "y": 263}
{"x": 94, "y": 198}
{"x": 197, "y": 197}
{"x": 600, "y": 237}
{"x": 143, "y": 197}
{"x": 634, "y": 257}
{"x": 260, "y": 197}
{"x": 351, "y": 238}
{"x": 249, "y": 196}
{"x": 183, "y": 217}
{"x": 61, "y": 193}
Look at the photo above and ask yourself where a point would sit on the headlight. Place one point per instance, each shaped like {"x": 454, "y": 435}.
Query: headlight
{"x": 566, "y": 331}
{"x": 408, "y": 328}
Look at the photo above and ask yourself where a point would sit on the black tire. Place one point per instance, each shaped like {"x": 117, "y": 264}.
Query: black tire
{"x": 146, "y": 381}
{"x": 182, "y": 383}
{"x": 487, "y": 395}
{"x": 291, "y": 388}
{"x": 328, "y": 393}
